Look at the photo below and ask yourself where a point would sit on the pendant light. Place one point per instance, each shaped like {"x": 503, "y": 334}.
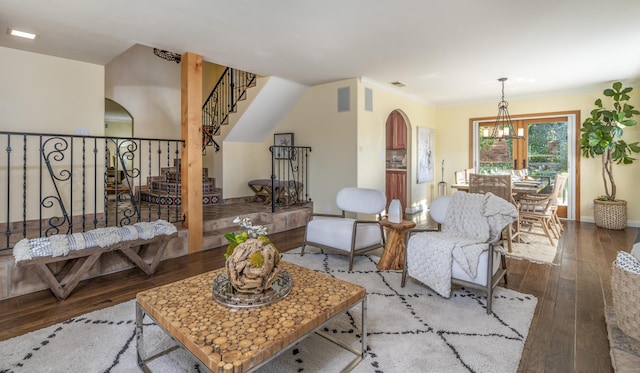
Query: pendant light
{"x": 503, "y": 127}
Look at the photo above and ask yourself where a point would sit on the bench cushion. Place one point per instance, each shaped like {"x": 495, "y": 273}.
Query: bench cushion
{"x": 62, "y": 244}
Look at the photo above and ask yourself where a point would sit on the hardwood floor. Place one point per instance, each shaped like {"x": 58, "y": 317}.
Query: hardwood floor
{"x": 568, "y": 332}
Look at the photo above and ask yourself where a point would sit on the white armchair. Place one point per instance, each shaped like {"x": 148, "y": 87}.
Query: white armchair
{"x": 348, "y": 235}
{"x": 463, "y": 252}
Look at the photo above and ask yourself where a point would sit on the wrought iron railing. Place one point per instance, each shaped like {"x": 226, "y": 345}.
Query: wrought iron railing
{"x": 289, "y": 175}
{"x": 223, "y": 99}
{"x": 57, "y": 183}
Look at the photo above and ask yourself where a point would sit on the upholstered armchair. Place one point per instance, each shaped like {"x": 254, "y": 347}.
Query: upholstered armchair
{"x": 349, "y": 235}
{"x": 464, "y": 250}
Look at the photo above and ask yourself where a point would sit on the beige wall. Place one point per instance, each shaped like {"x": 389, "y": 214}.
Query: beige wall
{"x": 372, "y": 144}
{"x": 149, "y": 88}
{"x": 40, "y": 93}
{"x": 332, "y": 135}
{"x": 452, "y": 139}
{"x": 45, "y": 94}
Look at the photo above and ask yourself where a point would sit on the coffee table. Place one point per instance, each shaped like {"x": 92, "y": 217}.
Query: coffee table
{"x": 238, "y": 340}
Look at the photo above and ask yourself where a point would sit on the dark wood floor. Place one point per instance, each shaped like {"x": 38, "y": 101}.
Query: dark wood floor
{"x": 568, "y": 332}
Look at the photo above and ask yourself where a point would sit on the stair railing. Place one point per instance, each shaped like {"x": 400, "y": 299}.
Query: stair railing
{"x": 289, "y": 175}
{"x": 59, "y": 183}
{"x": 222, "y": 101}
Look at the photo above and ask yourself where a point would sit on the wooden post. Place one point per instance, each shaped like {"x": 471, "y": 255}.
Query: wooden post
{"x": 191, "y": 162}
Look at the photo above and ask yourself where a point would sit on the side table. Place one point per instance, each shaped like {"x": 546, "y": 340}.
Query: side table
{"x": 393, "y": 254}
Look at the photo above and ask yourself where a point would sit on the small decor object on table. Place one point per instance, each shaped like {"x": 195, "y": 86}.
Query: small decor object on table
{"x": 252, "y": 260}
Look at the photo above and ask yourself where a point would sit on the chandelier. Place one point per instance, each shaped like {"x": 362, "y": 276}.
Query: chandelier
{"x": 169, "y": 56}
{"x": 503, "y": 128}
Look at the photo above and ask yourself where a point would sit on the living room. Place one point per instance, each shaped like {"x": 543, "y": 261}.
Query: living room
{"x": 353, "y": 139}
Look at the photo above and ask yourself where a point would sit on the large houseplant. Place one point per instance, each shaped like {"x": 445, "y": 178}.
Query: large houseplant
{"x": 602, "y": 136}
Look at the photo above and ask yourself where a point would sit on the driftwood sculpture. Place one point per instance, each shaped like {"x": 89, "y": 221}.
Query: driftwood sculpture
{"x": 253, "y": 265}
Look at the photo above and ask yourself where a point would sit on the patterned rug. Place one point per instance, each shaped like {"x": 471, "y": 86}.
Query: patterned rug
{"x": 409, "y": 329}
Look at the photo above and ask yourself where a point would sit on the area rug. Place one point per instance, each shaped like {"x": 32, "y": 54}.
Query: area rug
{"x": 534, "y": 248}
{"x": 409, "y": 329}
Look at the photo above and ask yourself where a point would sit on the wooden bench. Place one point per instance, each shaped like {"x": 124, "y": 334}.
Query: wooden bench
{"x": 78, "y": 263}
{"x": 286, "y": 192}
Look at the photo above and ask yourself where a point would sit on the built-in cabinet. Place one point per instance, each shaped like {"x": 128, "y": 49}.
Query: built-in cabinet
{"x": 396, "y": 131}
{"x": 396, "y": 158}
{"x": 396, "y": 186}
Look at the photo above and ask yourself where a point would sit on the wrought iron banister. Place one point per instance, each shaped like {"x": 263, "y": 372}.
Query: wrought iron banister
{"x": 69, "y": 183}
{"x": 222, "y": 101}
{"x": 289, "y": 175}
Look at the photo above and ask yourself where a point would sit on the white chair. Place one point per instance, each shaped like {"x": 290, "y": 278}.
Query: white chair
{"x": 464, "y": 251}
{"x": 344, "y": 234}
{"x": 460, "y": 177}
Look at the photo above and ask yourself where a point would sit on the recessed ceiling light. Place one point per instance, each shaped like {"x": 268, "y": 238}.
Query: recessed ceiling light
{"x": 22, "y": 34}
{"x": 398, "y": 84}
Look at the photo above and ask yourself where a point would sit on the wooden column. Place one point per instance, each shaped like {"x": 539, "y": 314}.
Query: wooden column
{"x": 191, "y": 162}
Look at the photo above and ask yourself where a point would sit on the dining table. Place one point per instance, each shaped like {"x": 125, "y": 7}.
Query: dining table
{"x": 518, "y": 187}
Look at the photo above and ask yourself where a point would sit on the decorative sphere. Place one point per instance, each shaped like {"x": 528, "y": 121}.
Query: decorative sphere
{"x": 253, "y": 265}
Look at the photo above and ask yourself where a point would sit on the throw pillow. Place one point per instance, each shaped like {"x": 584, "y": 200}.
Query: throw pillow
{"x": 628, "y": 262}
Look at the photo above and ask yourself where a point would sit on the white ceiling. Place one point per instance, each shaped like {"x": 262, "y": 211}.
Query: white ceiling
{"x": 446, "y": 52}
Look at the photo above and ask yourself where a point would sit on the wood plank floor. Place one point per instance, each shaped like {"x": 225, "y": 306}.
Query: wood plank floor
{"x": 568, "y": 332}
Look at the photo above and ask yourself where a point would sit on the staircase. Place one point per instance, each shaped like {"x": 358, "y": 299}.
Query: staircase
{"x": 222, "y": 101}
{"x": 166, "y": 188}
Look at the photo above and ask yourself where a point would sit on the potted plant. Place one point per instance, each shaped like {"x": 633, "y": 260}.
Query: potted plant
{"x": 602, "y": 136}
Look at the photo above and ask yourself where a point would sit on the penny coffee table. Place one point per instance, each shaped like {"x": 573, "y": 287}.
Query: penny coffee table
{"x": 227, "y": 339}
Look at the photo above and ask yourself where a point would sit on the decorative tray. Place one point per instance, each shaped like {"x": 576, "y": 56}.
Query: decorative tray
{"x": 225, "y": 294}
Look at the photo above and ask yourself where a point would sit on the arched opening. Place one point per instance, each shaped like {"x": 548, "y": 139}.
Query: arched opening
{"x": 397, "y": 158}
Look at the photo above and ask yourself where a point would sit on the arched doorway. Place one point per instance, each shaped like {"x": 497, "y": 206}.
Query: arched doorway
{"x": 118, "y": 124}
{"x": 396, "y": 158}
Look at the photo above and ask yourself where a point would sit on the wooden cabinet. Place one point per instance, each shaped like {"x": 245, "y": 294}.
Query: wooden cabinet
{"x": 396, "y": 133}
{"x": 396, "y": 187}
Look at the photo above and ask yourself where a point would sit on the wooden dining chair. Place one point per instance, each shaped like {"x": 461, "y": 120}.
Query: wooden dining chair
{"x": 500, "y": 185}
{"x": 459, "y": 177}
{"x": 542, "y": 210}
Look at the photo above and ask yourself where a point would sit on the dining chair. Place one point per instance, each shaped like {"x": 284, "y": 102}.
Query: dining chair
{"x": 468, "y": 172}
{"x": 542, "y": 210}
{"x": 560, "y": 191}
{"x": 499, "y": 185}
{"x": 459, "y": 177}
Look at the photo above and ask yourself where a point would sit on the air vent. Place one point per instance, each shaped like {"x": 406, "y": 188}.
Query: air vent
{"x": 398, "y": 84}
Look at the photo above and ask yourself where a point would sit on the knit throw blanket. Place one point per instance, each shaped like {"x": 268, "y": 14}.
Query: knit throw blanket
{"x": 61, "y": 244}
{"x": 472, "y": 222}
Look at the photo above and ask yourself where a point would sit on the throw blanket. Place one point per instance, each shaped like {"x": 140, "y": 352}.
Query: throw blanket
{"x": 472, "y": 222}
{"x": 61, "y": 244}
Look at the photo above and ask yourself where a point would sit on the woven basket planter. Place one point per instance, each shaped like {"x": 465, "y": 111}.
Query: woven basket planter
{"x": 625, "y": 289}
{"x": 610, "y": 214}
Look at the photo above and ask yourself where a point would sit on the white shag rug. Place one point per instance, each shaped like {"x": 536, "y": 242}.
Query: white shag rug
{"x": 409, "y": 329}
